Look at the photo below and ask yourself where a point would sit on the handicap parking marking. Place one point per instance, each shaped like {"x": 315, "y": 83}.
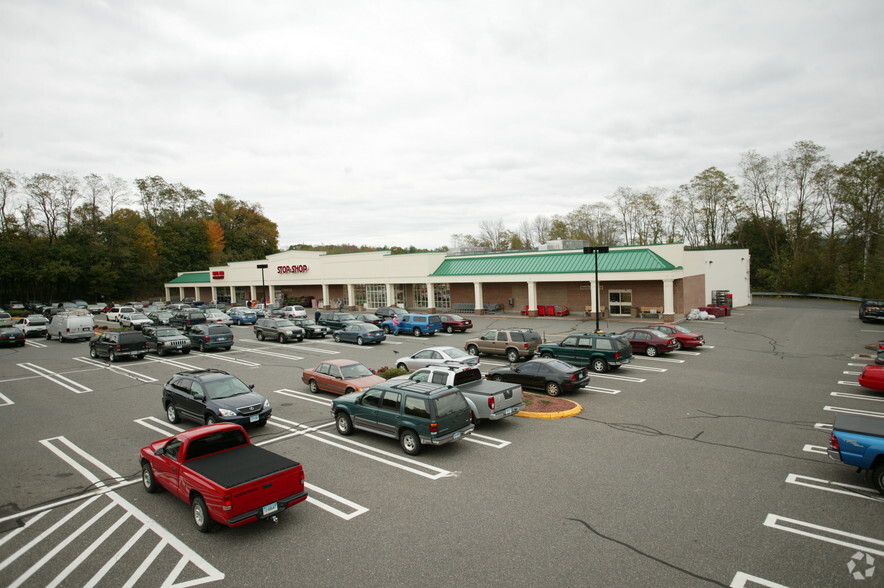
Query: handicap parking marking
{"x": 857, "y": 396}
{"x": 34, "y": 344}
{"x": 836, "y": 487}
{"x": 116, "y": 369}
{"x": 741, "y": 578}
{"x": 397, "y": 461}
{"x": 826, "y": 534}
{"x": 815, "y": 449}
{"x": 56, "y": 378}
{"x": 854, "y": 411}
{"x": 354, "y": 509}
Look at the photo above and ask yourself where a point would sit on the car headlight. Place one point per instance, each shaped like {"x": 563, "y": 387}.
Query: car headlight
{"x": 266, "y": 404}
{"x": 226, "y": 413}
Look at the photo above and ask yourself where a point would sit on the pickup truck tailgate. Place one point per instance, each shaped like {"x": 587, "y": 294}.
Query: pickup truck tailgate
{"x": 256, "y": 477}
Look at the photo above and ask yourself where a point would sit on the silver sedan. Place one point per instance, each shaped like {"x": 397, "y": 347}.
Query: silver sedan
{"x": 437, "y": 356}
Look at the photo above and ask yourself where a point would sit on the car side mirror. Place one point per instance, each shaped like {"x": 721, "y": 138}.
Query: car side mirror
{"x": 199, "y": 397}
{"x": 251, "y": 386}
{"x": 160, "y": 451}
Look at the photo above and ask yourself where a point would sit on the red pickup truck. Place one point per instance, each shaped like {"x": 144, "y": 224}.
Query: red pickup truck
{"x": 222, "y": 476}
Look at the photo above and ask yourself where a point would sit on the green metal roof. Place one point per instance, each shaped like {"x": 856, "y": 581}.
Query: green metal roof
{"x": 572, "y": 262}
{"x": 192, "y": 278}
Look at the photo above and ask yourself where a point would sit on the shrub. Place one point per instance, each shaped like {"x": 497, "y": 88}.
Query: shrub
{"x": 387, "y": 372}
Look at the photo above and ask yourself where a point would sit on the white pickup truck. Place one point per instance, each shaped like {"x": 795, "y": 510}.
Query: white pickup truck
{"x": 488, "y": 400}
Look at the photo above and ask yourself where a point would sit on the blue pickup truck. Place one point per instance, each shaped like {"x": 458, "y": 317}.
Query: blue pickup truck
{"x": 858, "y": 440}
{"x": 416, "y": 324}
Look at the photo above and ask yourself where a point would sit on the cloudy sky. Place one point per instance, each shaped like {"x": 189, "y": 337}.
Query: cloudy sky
{"x": 402, "y": 123}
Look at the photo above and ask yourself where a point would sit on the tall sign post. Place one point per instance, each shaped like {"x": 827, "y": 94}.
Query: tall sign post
{"x": 262, "y": 267}
{"x": 596, "y": 250}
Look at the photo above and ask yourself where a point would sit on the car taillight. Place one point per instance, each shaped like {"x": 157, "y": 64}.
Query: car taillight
{"x": 118, "y": 347}
{"x": 617, "y": 355}
{"x": 524, "y": 346}
{"x": 206, "y": 339}
{"x": 574, "y": 377}
{"x": 491, "y": 402}
{"x": 833, "y": 443}
{"x": 228, "y": 502}
{"x": 434, "y": 428}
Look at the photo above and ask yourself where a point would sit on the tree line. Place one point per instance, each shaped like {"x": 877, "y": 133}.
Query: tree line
{"x": 102, "y": 238}
{"x": 810, "y": 225}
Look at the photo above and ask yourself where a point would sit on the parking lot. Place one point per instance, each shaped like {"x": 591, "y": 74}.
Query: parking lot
{"x": 697, "y": 467}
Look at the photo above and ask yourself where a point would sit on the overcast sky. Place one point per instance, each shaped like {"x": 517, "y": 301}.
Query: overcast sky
{"x": 402, "y": 123}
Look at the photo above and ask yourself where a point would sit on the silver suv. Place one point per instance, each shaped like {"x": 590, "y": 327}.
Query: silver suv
{"x": 281, "y": 329}
{"x": 514, "y": 343}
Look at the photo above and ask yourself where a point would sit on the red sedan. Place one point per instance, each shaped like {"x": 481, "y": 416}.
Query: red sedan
{"x": 872, "y": 377}
{"x": 684, "y": 338}
{"x": 651, "y": 342}
{"x": 454, "y": 322}
{"x": 340, "y": 376}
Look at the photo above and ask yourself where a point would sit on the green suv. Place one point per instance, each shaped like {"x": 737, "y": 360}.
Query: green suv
{"x": 599, "y": 351}
{"x": 416, "y": 413}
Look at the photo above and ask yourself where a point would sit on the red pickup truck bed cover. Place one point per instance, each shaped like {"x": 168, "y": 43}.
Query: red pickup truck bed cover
{"x": 240, "y": 465}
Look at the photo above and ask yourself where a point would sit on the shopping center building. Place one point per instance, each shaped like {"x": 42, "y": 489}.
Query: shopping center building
{"x": 667, "y": 277}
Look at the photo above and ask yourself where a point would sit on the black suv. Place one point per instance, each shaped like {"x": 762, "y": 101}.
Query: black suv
{"x": 871, "y": 310}
{"x": 599, "y": 351}
{"x": 185, "y": 318}
{"x": 213, "y": 396}
{"x": 513, "y": 343}
{"x": 336, "y": 320}
{"x": 165, "y": 339}
{"x": 280, "y": 329}
{"x": 115, "y": 345}
{"x": 311, "y": 329}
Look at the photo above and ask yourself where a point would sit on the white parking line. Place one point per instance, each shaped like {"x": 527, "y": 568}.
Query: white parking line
{"x": 265, "y": 352}
{"x": 116, "y": 369}
{"x": 823, "y": 426}
{"x": 55, "y": 377}
{"x": 664, "y": 359}
{"x": 300, "y": 346}
{"x": 872, "y": 546}
{"x": 683, "y": 352}
{"x": 602, "y": 390}
{"x": 161, "y": 427}
{"x": 621, "y": 378}
{"x": 849, "y": 383}
{"x": 815, "y": 449}
{"x": 854, "y": 411}
{"x": 6, "y": 400}
{"x": 857, "y": 396}
{"x": 830, "y": 486}
{"x": 304, "y": 396}
{"x": 644, "y": 368}
{"x": 34, "y": 344}
{"x": 235, "y": 360}
{"x": 851, "y": 373}
{"x": 172, "y": 362}
{"x": 492, "y": 441}
{"x": 741, "y": 578}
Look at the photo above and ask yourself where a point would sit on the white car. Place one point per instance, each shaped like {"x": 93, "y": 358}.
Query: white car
{"x": 134, "y": 320}
{"x": 213, "y": 315}
{"x": 294, "y": 311}
{"x": 437, "y": 356}
{"x": 33, "y": 325}
{"x": 117, "y": 311}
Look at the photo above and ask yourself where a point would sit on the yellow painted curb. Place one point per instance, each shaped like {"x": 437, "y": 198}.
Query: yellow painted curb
{"x": 552, "y": 415}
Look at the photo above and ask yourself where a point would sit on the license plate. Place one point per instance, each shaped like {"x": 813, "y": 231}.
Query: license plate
{"x": 86, "y": 329}
{"x": 457, "y": 435}
{"x": 269, "y": 509}
{"x": 222, "y": 338}
{"x": 253, "y": 418}
{"x": 509, "y": 411}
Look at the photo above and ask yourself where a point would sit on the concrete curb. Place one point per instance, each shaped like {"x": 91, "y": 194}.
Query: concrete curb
{"x": 552, "y": 415}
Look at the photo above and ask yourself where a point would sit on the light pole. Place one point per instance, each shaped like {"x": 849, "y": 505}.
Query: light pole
{"x": 262, "y": 267}
{"x": 596, "y": 250}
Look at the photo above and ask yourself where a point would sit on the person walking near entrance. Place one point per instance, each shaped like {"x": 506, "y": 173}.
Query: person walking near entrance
{"x": 395, "y": 324}
{"x": 316, "y": 316}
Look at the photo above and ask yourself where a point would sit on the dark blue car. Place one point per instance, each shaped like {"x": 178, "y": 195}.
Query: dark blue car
{"x": 360, "y": 333}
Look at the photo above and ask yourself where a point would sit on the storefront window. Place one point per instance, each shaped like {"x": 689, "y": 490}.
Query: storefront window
{"x": 620, "y": 302}
{"x": 375, "y": 295}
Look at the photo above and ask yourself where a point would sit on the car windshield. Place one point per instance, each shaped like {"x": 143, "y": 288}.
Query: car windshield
{"x": 681, "y": 329}
{"x": 307, "y": 322}
{"x": 136, "y": 315}
{"x": 455, "y": 318}
{"x": 37, "y": 320}
{"x": 167, "y": 332}
{"x": 356, "y": 370}
{"x": 164, "y": 315}
{"x": 455, "y": 352}
{"x": 281, "y": 323}
{"x": 226, "y": 388}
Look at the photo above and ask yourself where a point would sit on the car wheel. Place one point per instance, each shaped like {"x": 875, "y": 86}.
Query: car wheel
{"x": 160, "y": 351}
{"x": 92, "y": 353}
{"x": 112, "y": 355}
{"x": 402, "y": 366}
{"x": 546, "y": 354}
{"x": 416, "y": 332}
{"x": 343, "y": 423}
{"x": 227, "y": 349}
{"x": 211, "y": 420}
{"x": 651, "y": 351}
{"x": 512, "y": 355}
{"x": 473, "y": 350}
{"x": 337, "y": 338}
{"x": 203, "y": 346}
{"x": 147, "y": 479}
{"x": 411, "y": 443}
{"x": 359, "y": 341}
{"x": 201, "y": 515}
{"x": 449, "y": 329}
{"x": 261, "y": 423}
{"x": 281, "y": 338}
{"x": 878, "y": 474}
{"x": 260, "y": 335}
{"x": 185, "y": 351}
{"x": 314, "y": 387}
{"x": 48, "y": 336}
{"x": 599, "y": 365}
{"x": 349, "y": 391}
{"x": 386, "y": 330}
{"x": 172, "y": 414}
{"x": 553, "y": 389}
{"x": 300, "y": 339}
{"x": 678, "y": 345}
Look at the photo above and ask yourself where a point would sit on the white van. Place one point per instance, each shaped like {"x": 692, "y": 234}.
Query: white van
{"x": 69, "y": 326}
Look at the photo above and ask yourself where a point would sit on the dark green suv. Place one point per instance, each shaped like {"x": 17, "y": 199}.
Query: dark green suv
{"x": 599, "y": 351}
{"x": 416, "y": 413}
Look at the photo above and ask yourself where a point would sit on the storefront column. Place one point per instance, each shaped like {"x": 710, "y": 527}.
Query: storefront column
{"x": 253, "y": 296}
{"x": 480, "y": 304}
{"x": 668, "y": 301}
{"x": 326, "y": 303}
{"x": 532, "y": 298}
{"x": 431, "y": 298}
{"x": 351, "y": 297}
{"x": 271, "y": 294}
{"x": 214, "y": 294}
{"x": 232, "y": 291}
{"x": 168, "y": 293}
{"x": 180, "y": 294}
{"x": 391, "y": 295}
